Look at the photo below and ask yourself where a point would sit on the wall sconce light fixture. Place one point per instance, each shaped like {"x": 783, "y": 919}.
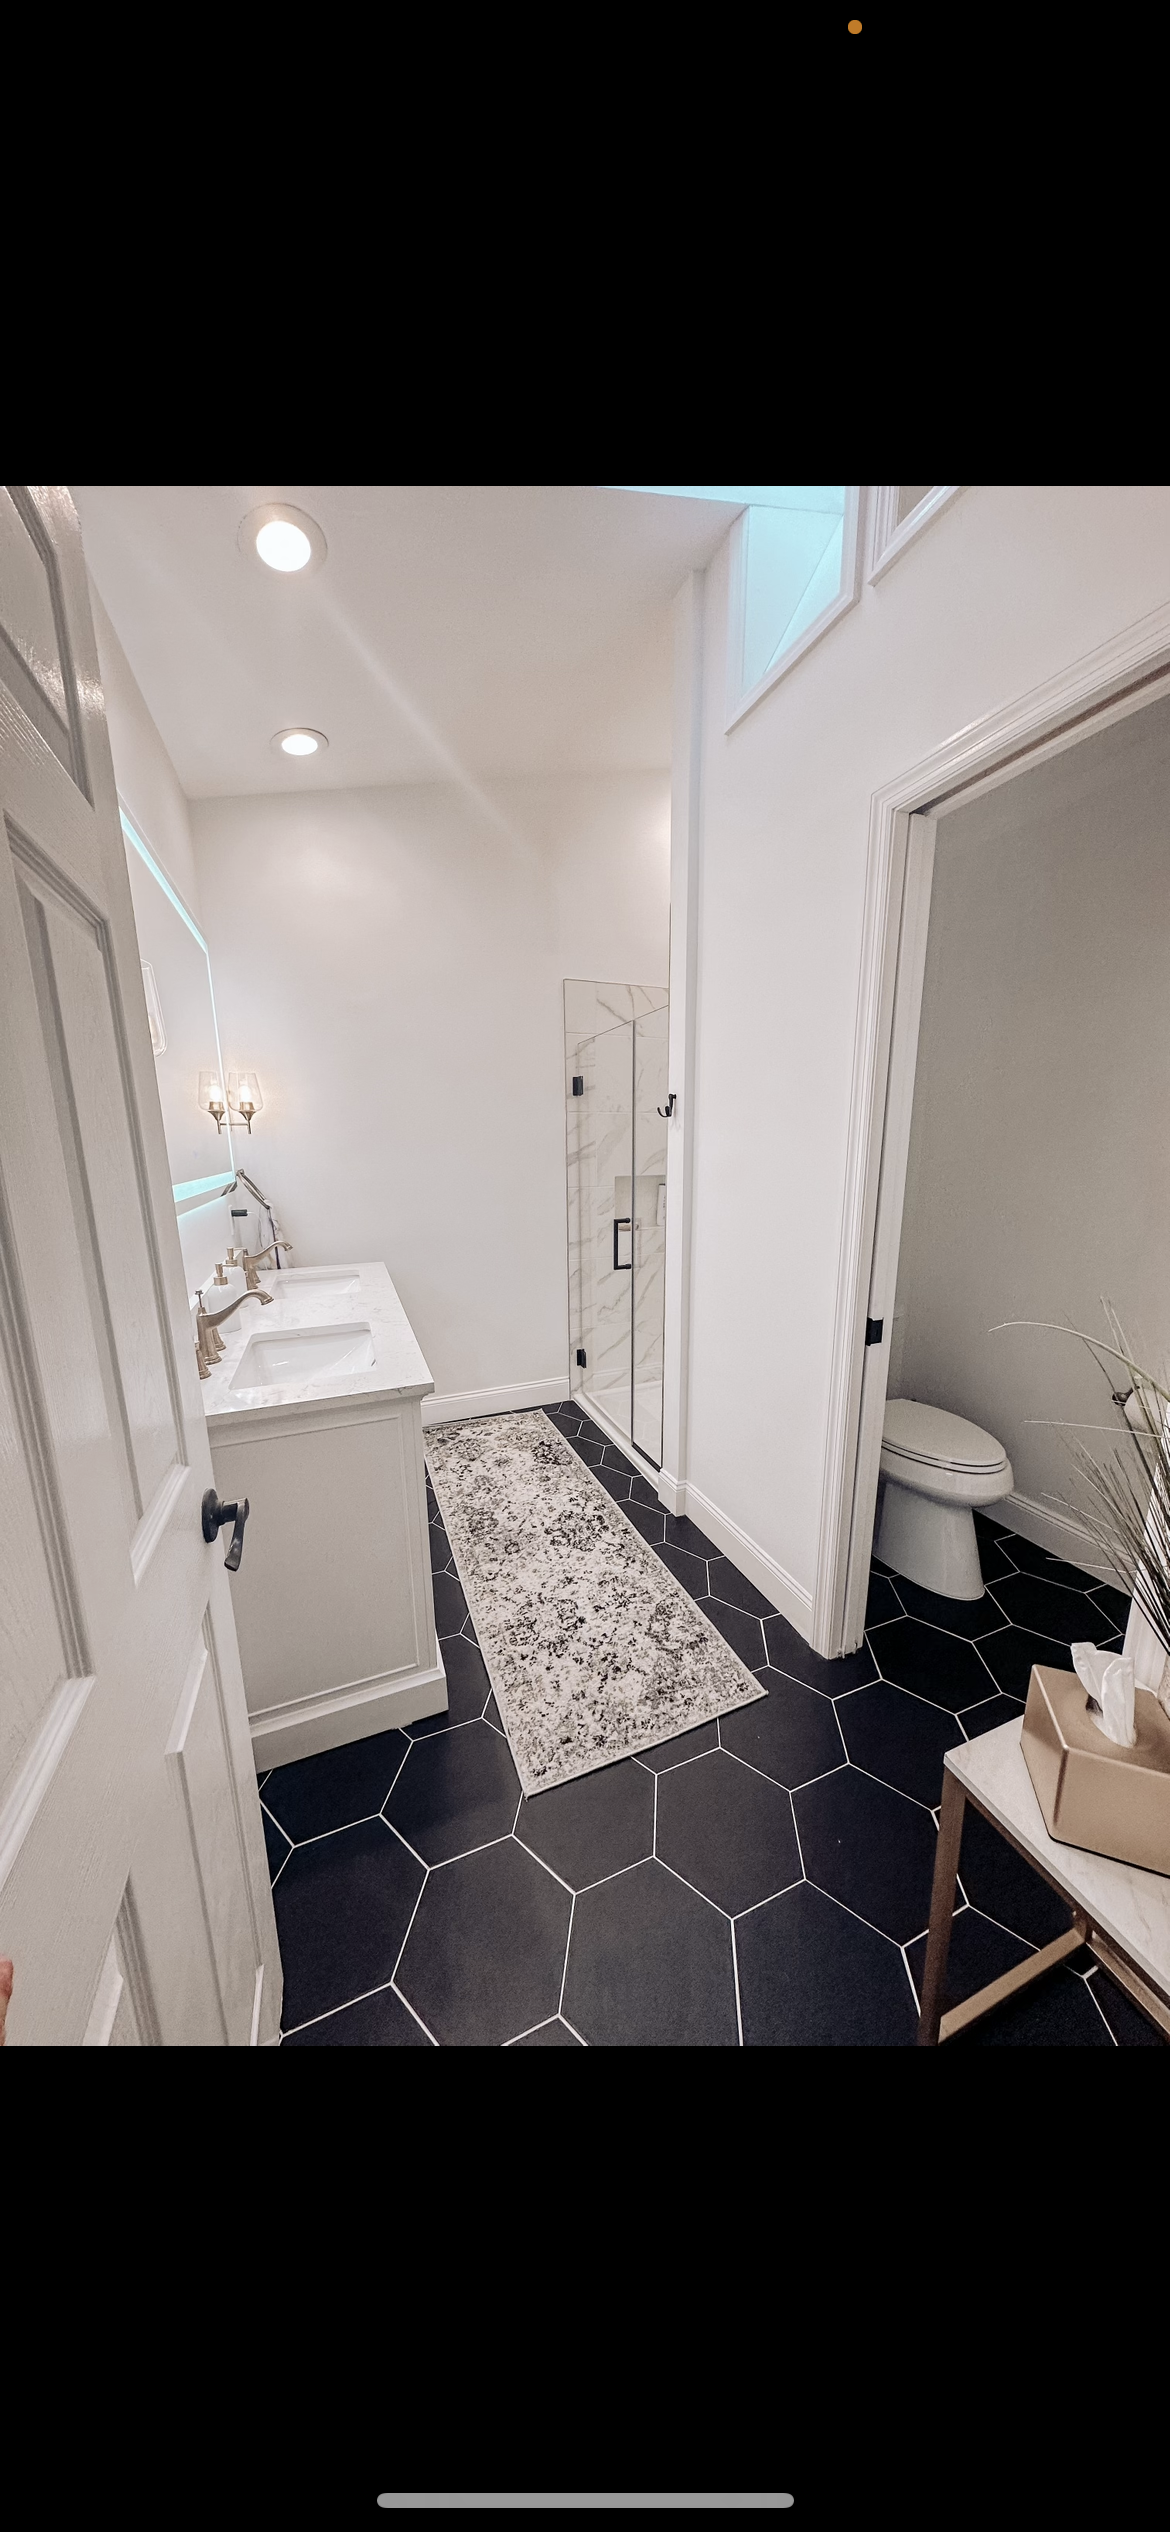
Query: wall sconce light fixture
{"x": 211, "y": 1097}
{"x": 245, "y": 1097}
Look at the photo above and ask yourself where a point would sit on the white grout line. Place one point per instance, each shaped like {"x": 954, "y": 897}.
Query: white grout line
{"x": 313, "y": 2019}
{"x": 693, "y": 1887}
{"x": 321, "y": 1834}
{"x": 735, "y": 1974}
{"x": 777, "y": 1781}
{"x": 857, "y": 1917}
{"x": 913, "y": 1988}
{"x": 571, "y": 2026}
{"x": 565, "y": 1962}
{"x": 423, "y": 2026}
{"x": 413, "y": 1913}
{"x": 545, "y": 1866}
{"x": 403, "y": 1840}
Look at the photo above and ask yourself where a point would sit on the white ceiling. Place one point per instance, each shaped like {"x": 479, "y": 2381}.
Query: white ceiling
{"x": 454, "y": 629}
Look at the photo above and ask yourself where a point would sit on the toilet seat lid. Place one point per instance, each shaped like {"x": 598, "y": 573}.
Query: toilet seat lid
{"x": 935, "y": 1438}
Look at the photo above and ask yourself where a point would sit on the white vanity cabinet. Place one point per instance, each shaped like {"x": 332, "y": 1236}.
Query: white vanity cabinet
{"x": 314, "y": 1413}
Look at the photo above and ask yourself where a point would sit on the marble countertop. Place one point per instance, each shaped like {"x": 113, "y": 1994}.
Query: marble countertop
{"x": 300, "y": 1301}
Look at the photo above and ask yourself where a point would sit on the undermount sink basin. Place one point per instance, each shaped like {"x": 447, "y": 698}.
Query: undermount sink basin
{"x": 285, "y": 1357}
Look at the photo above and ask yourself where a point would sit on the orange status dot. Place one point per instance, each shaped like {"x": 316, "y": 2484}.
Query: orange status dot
{"x": 855, "y": 26}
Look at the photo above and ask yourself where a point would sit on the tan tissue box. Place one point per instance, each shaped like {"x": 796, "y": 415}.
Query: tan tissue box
{"x": 1093, "y": 1794}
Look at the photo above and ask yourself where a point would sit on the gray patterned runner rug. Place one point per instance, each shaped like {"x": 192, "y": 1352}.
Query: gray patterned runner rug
{"x": 593, "y": 1649}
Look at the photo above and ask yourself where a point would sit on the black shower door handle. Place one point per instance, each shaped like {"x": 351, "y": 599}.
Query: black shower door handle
{"x": 623, "y": 1222}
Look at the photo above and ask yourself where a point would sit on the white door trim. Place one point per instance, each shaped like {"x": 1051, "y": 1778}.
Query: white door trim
{"x": 1106, "y": 685}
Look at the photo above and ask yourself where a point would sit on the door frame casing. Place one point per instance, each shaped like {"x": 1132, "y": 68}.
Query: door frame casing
{"x": 1120, "y": 677}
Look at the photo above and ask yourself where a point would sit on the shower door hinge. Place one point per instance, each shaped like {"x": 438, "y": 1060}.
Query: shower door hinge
{"x": 873, "y": 1331}
{"x": 581, "y": 1358}
{"x": 578, "y": 1085}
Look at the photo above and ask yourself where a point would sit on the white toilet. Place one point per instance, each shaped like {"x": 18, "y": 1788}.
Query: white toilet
{"x": 936, "y": 1467}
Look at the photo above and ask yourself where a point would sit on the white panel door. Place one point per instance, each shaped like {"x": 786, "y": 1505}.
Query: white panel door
{"x": 134, "y": 1899}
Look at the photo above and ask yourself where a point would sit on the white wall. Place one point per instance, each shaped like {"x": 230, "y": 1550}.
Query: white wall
{"x": 157, "y": 805}
{"x": 1036, "y": 1179}
{"x": 391, "y": 961}
{"x": 1001, "y": 592}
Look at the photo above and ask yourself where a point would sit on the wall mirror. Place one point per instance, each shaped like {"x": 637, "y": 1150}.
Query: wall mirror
{"x": 180, "y": 1004}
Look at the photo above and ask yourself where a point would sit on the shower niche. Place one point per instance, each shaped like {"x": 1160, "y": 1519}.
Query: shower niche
{"x": 615, "y": 1140}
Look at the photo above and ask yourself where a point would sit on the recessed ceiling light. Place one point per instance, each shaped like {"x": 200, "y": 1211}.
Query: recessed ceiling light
{"x": 283, "y": 546}
{"x": 285, "y": 540}
{"x": 299, "y": 742}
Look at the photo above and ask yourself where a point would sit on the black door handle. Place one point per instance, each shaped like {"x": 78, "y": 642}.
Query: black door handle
{"x": 622, "y": 1222}
{"x": 215, "y": 1514}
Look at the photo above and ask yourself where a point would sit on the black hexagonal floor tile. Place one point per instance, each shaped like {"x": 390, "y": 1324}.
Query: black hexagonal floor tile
{"x": 1130, "y": 2027}
{"x": 450, "y": 1603}
{"x": 591, "y": 1451}
{"x": 745, "y": 1634}
{"x": 727, "y": 1830}
{"x": 681, "y": 1531}
{"x": 650, "y": 1525}
{"x": 979, "y": 1951}
{"x": 1030, "y": 1559}
{"x": 684, "y": 1746}
{"x": 970, "y": 1618}
{"x": 791, "y": 1734}
{"x": 650, "y": 1966}
{"x": 787, "y": 1651}
{"x": 550, "y": 2035}
{"x": 343, "y": 1904}
{"x": 1113, "y": 1604}
{"x": 989, "y": 1716}
{"x": 1046, "y": 1608}
{"x": 277, "y": 1846}
{"x": 870, "y": 1848}
{"x": 468, "y": 1689}
{"x": 812, "y": 1976}
{"x": 899, "y": 1738}
{"x": 644, "y": 1493}
{"x": 594, "y": 1826}
{"x": 330, "y": 1791}
{"x": 690, "y": 1571}
{"x": 727, "y": 1583}
{"x": 995, "y": 1558}
{"x": 485, "y": 1954}
{"x": 882, "y": 1602}
{"x": 942, "y": 1668}
{"x": 379, "y": 2021}
{"x": 457, "y": 1791}
{"x": 1009, "y": 1657}
{"x": 440, "y": 1546}
{"x": 614, "y": 1484}
{"x": 1002, "y": 1886}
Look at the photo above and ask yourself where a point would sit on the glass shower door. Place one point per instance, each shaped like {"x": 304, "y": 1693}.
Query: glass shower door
{"x": 617, "y": 1211}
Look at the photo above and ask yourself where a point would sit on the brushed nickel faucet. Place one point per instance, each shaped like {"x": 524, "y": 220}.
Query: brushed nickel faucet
{"x": 250, "y": 1264}
{"x": 208, "y": 1343}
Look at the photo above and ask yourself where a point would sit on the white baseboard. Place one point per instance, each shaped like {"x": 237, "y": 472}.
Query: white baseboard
{"x": 789, "y": 1597}
{"x": 508, "y": 1401}
{"x": 353, "y": 1713}
{"x": 1056, "y": 1532}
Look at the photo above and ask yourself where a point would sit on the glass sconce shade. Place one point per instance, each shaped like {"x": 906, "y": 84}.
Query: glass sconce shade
{"x": 245, "y": 1097}
{"x": 211, "y": 1097}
